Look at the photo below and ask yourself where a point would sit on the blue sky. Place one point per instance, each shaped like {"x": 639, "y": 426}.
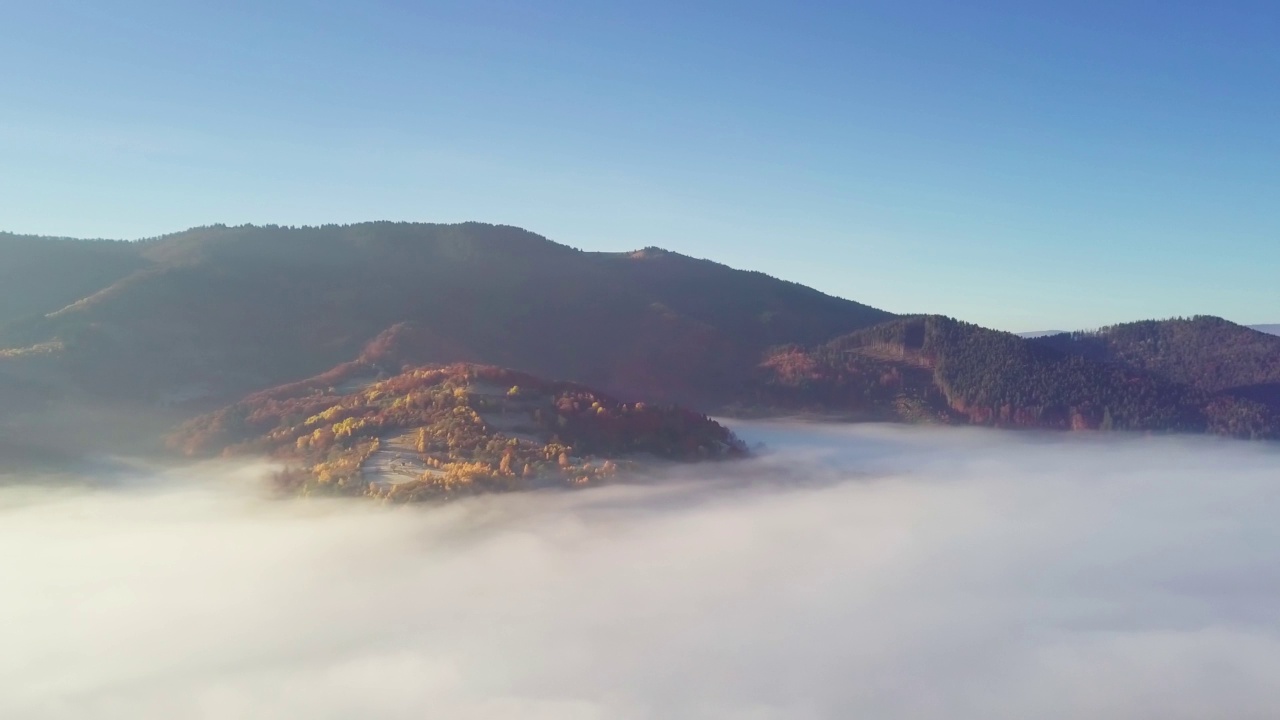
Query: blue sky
{"x": 1010, "y": 163}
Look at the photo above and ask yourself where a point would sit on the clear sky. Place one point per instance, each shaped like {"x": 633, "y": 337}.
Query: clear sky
{"x": 1025, "y": 165}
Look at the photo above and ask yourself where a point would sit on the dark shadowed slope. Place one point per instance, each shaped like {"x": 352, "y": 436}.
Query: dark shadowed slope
{"x": 219, "y": 311}
{"x": 1205, "y": 352}
{"x": 39, "y": 275}
{"x": 938, "y": 369}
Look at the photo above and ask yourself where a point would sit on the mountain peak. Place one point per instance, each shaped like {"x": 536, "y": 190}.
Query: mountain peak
{"x": 652, "y": 252}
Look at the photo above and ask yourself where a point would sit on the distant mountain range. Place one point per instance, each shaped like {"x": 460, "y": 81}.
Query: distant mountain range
{"x": 1269, "y": 329}
{"x": 192, "y": 322}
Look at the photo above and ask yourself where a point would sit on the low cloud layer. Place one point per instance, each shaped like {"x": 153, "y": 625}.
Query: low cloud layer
{"x": 852, "y": 572}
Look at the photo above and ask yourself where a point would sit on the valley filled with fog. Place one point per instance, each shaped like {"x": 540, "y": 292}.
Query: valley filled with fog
{"x": 848, "y": 571}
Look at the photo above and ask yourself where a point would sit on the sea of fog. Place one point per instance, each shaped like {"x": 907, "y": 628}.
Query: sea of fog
{"x": 849, "y": 572}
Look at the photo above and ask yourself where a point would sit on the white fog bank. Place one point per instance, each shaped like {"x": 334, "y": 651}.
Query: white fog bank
{"x": 852, "y": 572}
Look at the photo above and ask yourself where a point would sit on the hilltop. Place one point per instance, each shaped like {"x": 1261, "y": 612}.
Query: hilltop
{"x": 435, "y": 432}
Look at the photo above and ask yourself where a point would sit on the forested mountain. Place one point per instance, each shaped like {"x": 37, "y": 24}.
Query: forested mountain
{"x": 192, "y": 321}
{"x": 219, "y": 311}
{"x": 938, "y": 369}
{"x": 1208, "y": 353}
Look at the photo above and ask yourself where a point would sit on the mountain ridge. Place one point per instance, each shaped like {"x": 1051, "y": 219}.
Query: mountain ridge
{"x": 200, "y": 319}
{"x": 222, "y": 311}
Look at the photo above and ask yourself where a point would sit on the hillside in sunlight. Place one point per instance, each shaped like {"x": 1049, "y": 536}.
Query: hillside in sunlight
{"x": 436, "y": 432}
